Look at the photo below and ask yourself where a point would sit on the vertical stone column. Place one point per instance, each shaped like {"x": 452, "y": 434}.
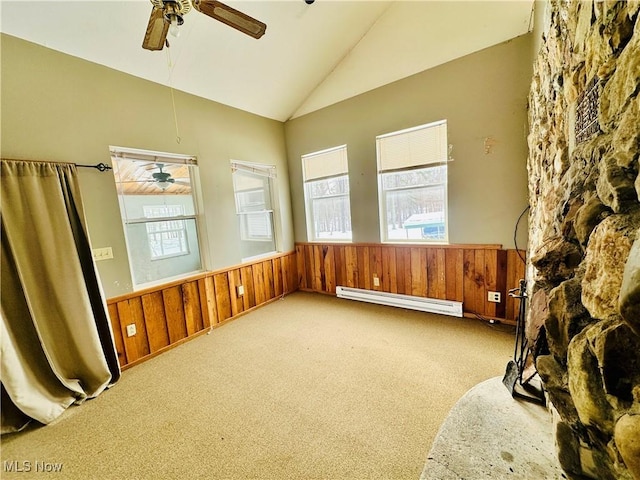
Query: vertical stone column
{"x": 584, "y": 242}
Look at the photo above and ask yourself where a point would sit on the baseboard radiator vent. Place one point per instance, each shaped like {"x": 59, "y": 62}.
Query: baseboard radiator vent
{"x": 432, "y": 305}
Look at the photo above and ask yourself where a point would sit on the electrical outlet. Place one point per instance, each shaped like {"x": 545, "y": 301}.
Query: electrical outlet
{"x": 376, "y": 281}
{"x": 493, "y": 297}
{"x": 240, "y": 290}
{"x": 131, "y": 330}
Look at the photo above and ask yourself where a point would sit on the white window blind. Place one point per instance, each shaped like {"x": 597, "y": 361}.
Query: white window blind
{"x": 413, "y": 147}
{"x": 147, "y": 156}
{"x": 255, "y": 168}
{"x": 324, "y": 164}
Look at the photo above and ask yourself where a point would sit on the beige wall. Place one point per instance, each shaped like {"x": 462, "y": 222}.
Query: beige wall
{"x": 481, "y": 95}
{"x": 59, "y": 108}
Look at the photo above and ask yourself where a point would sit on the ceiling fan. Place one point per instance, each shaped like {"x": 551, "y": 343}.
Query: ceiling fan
{"x": 164, "y": 179}
{"x": 167, "y": 16}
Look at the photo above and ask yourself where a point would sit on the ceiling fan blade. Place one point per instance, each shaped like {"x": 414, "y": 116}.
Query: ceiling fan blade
{"x": 156, "y": 34}
{"x": 232, "y": 17}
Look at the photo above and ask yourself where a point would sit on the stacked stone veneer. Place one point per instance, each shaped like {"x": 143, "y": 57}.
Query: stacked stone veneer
{"x": 584, "y": 241}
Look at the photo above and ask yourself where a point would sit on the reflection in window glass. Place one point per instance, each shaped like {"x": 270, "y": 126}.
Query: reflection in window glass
{"x": 166, "y": 238}
{"x": 159, "y": 214}
{"x": 252, "y": 185}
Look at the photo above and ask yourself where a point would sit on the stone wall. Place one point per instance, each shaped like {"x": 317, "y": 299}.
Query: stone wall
{"x": 584, "y": 246}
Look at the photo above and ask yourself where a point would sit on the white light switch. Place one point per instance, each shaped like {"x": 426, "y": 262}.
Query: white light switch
{"x": 102, "y": 253}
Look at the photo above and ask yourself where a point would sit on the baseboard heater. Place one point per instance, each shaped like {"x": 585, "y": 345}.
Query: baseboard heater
{"x": 432, "y": 305}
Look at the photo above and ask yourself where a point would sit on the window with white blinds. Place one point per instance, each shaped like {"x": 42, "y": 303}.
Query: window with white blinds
{"x": 412, "y": 184}
{"x": 325, "y": 163}
{"x": 413, "y": 147}
{"x": 326, "y": 191}
{"x": 252, "y": 184}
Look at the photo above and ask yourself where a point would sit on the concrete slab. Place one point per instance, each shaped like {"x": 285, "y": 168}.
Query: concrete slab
{"x": 489, "y": 434}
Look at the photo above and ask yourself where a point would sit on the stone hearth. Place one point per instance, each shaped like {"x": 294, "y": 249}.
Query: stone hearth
{"x": 584, "y": 246}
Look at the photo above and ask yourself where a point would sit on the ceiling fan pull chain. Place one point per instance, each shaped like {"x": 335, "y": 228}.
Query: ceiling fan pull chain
{"x": 173, "y": 100}
{"x": 175, "y": 117}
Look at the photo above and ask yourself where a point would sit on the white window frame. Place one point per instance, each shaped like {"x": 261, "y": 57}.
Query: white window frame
{"x": 426, "y": 147}
{"x": 321, "y": 166}
{"x": 244, "y": 217}
{"x": 165, "y": 158}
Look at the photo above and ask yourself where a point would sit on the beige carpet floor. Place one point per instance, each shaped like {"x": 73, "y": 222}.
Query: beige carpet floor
{"x": 308, "y": 387}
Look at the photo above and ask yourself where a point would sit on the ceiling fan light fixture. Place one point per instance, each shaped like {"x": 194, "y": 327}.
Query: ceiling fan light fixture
{"x": 175, "y": 21}
{"x": 166, "y": 16}
{"x": 163, "y": 185}
{"x": 173, "y": 12}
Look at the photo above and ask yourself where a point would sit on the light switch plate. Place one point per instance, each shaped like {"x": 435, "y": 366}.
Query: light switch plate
{"x": 104, "y": 253}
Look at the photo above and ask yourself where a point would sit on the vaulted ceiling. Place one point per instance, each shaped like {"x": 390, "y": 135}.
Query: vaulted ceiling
{"x": 311, "y": 56}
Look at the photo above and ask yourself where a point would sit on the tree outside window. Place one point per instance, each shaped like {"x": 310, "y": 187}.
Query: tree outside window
{"x": 326, "y": 191}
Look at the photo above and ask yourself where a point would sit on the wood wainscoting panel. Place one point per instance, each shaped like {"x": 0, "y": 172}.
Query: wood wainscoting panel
{"x": 223, "y": 296}
{"x": 462, "y": 273}
{"x": 167, "y": 315}
{"x": 277, "y": 277}
{"x": 192, "y": 307}
{"x": 154, "y": 315}
{"x": 174, "y": 313}
{"x": 246, "y": 277}
{"x": 117, "y": 333}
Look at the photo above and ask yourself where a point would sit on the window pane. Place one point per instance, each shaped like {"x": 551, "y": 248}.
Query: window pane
{"x": 149, "y": 190}
{"x": 332, "y": 218}
{"x": 255, "y": 215}
{"x": 413, "y": 178}
{"x": 330, "y": 186}
{"x": 167, "y": 239}
{"x": 162, "y": 253}
{"x": 329, "y": 211}
{"x": 417, "y": 213}
{"x": 256, "y": 234}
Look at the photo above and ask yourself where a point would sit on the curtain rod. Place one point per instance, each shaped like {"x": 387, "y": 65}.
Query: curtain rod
{"x": 103, "y": 167}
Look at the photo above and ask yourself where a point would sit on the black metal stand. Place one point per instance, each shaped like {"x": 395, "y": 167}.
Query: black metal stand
{"x": 527, "y": 389}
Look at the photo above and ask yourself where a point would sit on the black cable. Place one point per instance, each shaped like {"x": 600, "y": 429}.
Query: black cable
{"x": 493, "y": 323}
{"x": 515, "y": 234}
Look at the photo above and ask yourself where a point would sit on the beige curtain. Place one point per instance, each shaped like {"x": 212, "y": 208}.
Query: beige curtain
{"x": 55, "y": 338}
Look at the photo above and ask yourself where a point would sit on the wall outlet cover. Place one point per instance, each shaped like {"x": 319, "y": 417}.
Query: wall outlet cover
{"x": 131, "y": 330}
{"x": 494, "y": 297}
